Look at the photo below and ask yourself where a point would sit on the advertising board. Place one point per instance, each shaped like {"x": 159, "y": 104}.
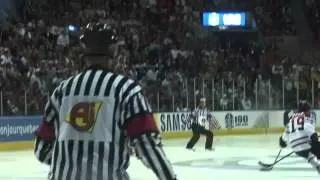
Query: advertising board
{"x": 18, "y": 128}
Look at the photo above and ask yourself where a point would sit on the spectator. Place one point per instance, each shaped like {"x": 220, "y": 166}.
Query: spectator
{"x": 63, "y": 40}
{"x": 246, "y": 104}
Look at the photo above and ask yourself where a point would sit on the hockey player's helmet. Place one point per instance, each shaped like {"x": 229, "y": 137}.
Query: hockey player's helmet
{"x": 99, "y": 39}
{"x": 303, "y": 106}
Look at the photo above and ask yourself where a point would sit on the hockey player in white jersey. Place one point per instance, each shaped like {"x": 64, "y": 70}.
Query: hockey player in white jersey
{"x": 300, "y": 135}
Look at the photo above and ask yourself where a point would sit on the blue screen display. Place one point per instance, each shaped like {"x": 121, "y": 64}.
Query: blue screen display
{"x": 223, "y": 19}
{"x": 72, "y": 28}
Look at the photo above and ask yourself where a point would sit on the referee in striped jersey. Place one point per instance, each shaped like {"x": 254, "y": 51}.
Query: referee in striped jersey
{"x": 92, "y": 118}
{"x": 199, "y": 117}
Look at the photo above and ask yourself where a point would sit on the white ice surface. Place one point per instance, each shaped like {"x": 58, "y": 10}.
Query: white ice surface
{"x": 235, "y": 158}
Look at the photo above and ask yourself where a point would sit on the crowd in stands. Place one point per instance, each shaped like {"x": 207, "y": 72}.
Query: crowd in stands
{"x": 275, "y": 17}
{"x": 313, "y": 14}
{"x": 163, "y": 48}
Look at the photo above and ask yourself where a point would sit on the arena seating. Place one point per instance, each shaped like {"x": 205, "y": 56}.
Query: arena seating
{"x": 275, "y": 17}
{"x": 313, "y": 13}
{"x": 160, "y": 50}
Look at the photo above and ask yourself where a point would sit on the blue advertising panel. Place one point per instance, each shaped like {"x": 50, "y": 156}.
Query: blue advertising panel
{"x": 18, "y": 128}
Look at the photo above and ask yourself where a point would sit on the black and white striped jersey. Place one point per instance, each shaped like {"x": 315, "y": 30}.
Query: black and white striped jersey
{"x": 202, "y": 115}
{"x": 90, "y": 112}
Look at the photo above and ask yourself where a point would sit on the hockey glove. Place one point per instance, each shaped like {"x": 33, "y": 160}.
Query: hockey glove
{"x": 46, "y": 132}
{"x": 282, "y": 143}
{"x": 315, "y": 145}
{"x": 314, "y": 139}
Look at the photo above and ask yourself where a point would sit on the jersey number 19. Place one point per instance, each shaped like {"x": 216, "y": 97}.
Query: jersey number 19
{"x": 297, "y": 123}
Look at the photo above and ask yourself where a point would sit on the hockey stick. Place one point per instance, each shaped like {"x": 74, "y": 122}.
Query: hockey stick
{"x": 266, "y": 166}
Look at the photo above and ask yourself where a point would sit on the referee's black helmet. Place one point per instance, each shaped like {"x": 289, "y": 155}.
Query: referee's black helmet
{"x": 99, "y": 39}
{"x": 303, "y": 106}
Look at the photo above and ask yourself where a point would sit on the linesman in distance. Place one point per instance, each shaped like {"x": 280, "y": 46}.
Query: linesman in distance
{"x": 91, "y": 118}
{"x": 199, "y": 117}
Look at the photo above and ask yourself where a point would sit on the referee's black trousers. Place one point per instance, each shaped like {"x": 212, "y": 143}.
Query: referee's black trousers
{"x": 198, "y": 130}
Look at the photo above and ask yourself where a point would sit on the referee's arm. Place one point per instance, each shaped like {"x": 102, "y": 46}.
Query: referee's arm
{"x": 45, "y": 137}
{"x": 143, "y": 132}
{"x": 45, "y": 134}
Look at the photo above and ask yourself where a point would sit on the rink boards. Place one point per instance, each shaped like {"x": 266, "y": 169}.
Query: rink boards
{"x": 17, "y": 132}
